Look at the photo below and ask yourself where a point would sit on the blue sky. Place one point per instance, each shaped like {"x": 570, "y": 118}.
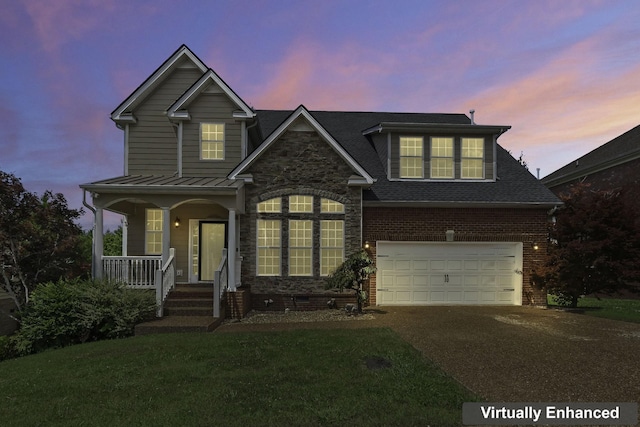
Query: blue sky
{"x": 564, "y": 74}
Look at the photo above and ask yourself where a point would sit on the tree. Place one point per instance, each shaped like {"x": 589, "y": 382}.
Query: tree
{"x": 351, "y": 274}
{"x": 113, "y": 242}
{"x": 595, "y": 246}
{"x": 39, "y": 240}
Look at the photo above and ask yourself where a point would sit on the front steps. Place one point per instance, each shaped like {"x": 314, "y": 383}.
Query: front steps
{"x": 188, "y": 308}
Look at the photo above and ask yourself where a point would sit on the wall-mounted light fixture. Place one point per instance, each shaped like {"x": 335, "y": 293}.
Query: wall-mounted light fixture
{"x": 177, "y": 222}
{"x": 366, "y": 244}
{"x": 450, "y": 235}
{"x": 535, "y": 246}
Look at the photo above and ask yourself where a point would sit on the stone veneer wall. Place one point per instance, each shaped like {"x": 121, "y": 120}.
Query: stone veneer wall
{"x": 470, "y": 225}
{"x": 298, "y": 163}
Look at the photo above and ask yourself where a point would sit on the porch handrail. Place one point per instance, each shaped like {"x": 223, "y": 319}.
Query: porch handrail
{"x": 165, "y": 280}
{"x": 220, "y": 283}
{"x": 137, "y": 272}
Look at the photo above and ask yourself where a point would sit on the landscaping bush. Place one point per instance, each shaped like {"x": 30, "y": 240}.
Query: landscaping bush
{"x": 69, "y": 312}
{"x": 7, "y": 349}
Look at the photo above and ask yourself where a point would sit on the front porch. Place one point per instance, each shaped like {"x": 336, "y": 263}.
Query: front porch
{"x": 174, "y": 230}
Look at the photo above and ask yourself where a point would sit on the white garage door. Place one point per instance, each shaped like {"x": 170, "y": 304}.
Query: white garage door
{"x": 415, "y": 273}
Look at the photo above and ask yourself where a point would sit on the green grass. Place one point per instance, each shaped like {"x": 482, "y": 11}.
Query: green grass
{"x": 627, "y": 310}
{"x": 295, "y": 378}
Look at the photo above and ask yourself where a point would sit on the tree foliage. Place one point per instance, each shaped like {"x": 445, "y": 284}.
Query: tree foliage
{"x": 595, "y": 246}
{"x": 39, "y": 240}
{"x": 351, "y": 274}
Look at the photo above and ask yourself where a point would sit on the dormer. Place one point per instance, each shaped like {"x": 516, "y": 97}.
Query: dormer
{"x": 436, "y": 151}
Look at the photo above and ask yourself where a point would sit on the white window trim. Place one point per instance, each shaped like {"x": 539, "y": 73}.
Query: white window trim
{"x": 224, "y": 141}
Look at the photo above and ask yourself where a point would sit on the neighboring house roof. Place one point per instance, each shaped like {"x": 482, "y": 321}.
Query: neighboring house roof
{"x": 164, "y": 184}
{"x": 514, "y": 185}
{"x": 123, "y": 112}
{"x": 177, "y": 112}
{"x": 621, "y": 149}
{"x": 274, "y": 134}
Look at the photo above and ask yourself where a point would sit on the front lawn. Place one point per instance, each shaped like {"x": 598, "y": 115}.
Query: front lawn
{"x": 627, "y": 310}
{"x": 303, "y": 377}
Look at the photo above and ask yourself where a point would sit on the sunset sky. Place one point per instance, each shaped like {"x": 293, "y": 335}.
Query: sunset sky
{"x": 564, "y": 74}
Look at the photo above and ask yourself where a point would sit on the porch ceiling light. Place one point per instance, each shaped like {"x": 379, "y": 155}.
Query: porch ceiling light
{"x": 177, "y": 222}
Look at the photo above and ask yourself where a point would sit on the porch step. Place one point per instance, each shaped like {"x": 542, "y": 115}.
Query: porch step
{"x": 178, "y": 324}
{"x": 192, "y": 291}
{"x": 188, "y": 302}
{"x": 199, "y": 310}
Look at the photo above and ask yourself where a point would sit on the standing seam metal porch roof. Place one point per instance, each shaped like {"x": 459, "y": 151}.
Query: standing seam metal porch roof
{"x": 163, "y": 183}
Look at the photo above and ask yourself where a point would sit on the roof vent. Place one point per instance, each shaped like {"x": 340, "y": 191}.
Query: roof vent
{"x": 471, "y": 113}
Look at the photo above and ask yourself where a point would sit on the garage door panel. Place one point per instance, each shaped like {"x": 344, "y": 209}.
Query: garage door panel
{"x": 451, "y": 273}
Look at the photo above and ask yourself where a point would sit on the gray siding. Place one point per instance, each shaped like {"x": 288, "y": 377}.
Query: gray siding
{"x": 381, "y": 145}
{"x": 152, "y": 140}
{"x": 210, "y": 108}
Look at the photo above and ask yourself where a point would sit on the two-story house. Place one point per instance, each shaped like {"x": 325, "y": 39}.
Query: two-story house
{"x": 278, "y": 199}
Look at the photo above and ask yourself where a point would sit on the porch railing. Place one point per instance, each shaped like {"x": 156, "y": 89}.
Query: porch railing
{"x": 165, "y": 280}
{"x": 220, "y": 283}
{"x": 136, "y": 271}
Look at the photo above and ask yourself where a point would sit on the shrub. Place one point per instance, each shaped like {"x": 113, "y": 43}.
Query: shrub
{"x": 7, "y": 348}
{"x": 70, "y": 312}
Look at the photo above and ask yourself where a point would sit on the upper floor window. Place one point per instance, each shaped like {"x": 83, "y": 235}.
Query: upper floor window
{"x": 301, "y": 204}
{"x": 331, "y": 206}
{"x": 153, "y": 231}
{"x": 270, "y": 206}
{"x": 212, "y": 141}
{"x": 442, "y": 157}
{"x": 411, "y": 162}
{"x": 472, "y": 158}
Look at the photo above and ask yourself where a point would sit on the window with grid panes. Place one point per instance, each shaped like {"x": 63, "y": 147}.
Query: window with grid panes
{"x": 331, "y": 245}
{"x": 442, "y": 157}
{"x": 153, "y": 231}
{"x": 212, "y": 141}
{"x": 300, "y": 247}
{"x": 472, "y": 158}
{"x": 411, "y": 159}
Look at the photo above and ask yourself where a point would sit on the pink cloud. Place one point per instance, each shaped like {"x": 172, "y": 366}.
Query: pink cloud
{"x": 58, "y": 22}
{"x": 334, "y": 78}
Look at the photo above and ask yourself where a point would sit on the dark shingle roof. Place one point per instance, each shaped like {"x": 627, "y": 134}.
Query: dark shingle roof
{"x": 620, "y": 149}
{"x": 515, "y": 185}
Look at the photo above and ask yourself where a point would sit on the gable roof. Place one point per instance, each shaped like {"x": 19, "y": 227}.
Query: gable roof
{"x": 122, "y": 112}
{"x": 621, "y": 149}
{"x": 274, "y": 134}
{"x": 515, "y": 186}
{"x": 208, "y": 78}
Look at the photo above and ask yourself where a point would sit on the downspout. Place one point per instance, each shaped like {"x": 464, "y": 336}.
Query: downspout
{"x": 93, "y": 232}
{"x": 179, "y": 129}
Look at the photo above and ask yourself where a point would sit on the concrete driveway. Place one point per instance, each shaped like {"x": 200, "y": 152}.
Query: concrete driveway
{"x": 525, "y": 354}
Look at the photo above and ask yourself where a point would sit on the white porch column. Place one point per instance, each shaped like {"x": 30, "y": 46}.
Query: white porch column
{"x": 231, "y": 250}
{"x": 166, "y": 233}
{"x": 125, "y": 235}
{"x": 98, "y": 246}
